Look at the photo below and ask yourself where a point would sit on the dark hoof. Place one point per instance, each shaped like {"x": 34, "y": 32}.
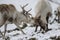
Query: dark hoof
{"x": 48, "y": 30}
{"x": 43, "y": 32}
{"x": 16, "y": 29}
{"x": 8, "y": 38}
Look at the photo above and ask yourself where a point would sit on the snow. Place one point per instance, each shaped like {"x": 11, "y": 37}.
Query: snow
{"x": 17, "y": 35}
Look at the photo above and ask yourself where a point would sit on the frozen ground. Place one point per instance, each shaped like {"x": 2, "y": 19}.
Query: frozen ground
{"x": 17, "y": 35}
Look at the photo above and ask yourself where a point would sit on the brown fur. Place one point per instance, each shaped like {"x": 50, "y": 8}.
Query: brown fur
{"x": 39, "y": 22}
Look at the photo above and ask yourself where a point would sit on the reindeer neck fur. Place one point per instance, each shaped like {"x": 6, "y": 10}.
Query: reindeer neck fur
{"x": 20, "y": 17}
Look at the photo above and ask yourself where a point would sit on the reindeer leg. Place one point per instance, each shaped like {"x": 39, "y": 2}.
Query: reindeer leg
{"x": 36, "y": 28}
{"x": 5, "y": 30}
{"x": 47, "y": 18}
{"x": 2, "y": 34}
{"x": 40, "y": 29}
{"x": 46, "y": 28}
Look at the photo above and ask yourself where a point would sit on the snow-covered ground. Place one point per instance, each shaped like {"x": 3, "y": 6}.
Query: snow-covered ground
{"x": 17, "y": 35}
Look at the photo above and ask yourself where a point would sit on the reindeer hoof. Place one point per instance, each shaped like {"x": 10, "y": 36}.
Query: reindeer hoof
{"x": 7, "y": 38}
{"x": 43, "y": 32}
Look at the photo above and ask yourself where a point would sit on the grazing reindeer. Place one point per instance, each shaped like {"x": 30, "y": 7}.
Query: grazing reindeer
{"x": 43, "y": 12}
{"x": 22, "y": 17}
{"x": 5, "y": 11}
{"x": 9, "y": 14}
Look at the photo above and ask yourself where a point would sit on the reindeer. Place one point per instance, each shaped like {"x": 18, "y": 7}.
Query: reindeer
{"x": 43, "y": 12}
{"x": 9, "y": 14}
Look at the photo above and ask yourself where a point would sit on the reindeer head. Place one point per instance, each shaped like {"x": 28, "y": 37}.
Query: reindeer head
{"x": 24, "y": 16}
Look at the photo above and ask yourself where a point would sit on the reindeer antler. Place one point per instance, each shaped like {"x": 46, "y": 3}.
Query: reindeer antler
{"x": 23, "y": 7}
{"x": 27, "y": 12}
{"x": 24, "y": 11}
